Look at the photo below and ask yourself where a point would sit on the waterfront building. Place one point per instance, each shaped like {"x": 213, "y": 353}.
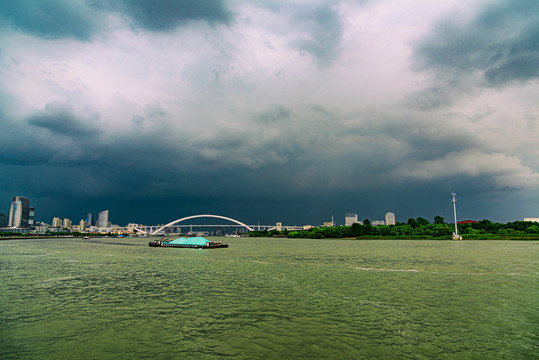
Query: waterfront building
{"x": 89, "y": 218}
{"x": 82, "y": 225}
{"x": 56, "y": 222}
{"x": 532, "y": 219}
{"x": 117, "y": 229}
{"x": 329, "y": 223}
{"x": 41, "y": 227}
{"x": 19, "y": 213}
{"x": 31, "y": 216}
{"x": 390, "y": 218}
{"x": 66, "y": 224}
{"x": 103, "y": 219}
{"x": 377, "y": 222}
{"x": 350, "y": 218}
{"x": 132, "y": 226}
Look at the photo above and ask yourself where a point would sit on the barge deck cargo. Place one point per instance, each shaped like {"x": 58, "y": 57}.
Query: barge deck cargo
{"x": 190, "y": 243}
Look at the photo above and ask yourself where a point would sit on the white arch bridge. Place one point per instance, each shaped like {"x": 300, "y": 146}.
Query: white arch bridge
{"x": 183, "y": 223}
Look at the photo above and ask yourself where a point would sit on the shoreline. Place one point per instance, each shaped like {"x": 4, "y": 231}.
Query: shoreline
{"x": 465, "y": 238}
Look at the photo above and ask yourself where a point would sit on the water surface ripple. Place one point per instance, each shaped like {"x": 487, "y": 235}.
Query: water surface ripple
{"x": 269, "y": 299}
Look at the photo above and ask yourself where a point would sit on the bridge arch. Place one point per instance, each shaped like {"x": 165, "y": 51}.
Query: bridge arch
{"x": 199, "y": 216}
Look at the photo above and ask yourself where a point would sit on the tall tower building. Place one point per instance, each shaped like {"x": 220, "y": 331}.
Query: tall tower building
{"x": 66, "y": 224}
{"x": 390, "y": 218}
{"x": 19, "y": 214}
{"x": 89, "y": 218}
{"x": 56, "y": 222}
{"x": 103, "y": 219}
{"x": 82, "y": 225}
{"x": 31, "y": 217}
{"x": 350, "y": 218}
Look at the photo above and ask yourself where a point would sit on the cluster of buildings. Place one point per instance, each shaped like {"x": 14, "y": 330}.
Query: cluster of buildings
{"x": 21, "y": 219}
{"x": 21, "y": 215}
{"x": 351, "y": 218}
{"x": 88, "y": 223}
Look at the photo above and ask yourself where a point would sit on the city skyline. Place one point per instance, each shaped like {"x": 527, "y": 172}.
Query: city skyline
{"x": 270, "y": 111}
{"x": 102, "y": 222}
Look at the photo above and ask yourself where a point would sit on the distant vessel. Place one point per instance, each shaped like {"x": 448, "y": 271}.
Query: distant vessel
{"x": 190, "y": 242}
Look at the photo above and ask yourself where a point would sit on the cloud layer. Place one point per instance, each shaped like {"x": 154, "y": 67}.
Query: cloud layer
{"x": 270, "y": 111}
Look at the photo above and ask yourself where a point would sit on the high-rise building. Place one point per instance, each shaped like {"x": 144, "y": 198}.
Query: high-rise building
{"x": 350, "y": 218}
{"x": 103, "y": 219}
{"x": 31, "y": 216}
{"x": 56, "y": 222}
{"x": 66, "y": 224}
{"x": 19, "y": 213}
{"x": 89, "y": 219}
{"x": 390, "y": 218}
{"x": 82, "y": 225}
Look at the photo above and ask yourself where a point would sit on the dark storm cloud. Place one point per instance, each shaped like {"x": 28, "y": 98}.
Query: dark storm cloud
{"x": 304, "y": 168}
{"x": 51, "y": 19}
{"x": 60, "y": 119}
{"x": 521, "y": 68}
{"x": 151, "y": 138}
{"x": 501, "y": 43}
{"x": 319, "y": 25}
{"x": 504, "y": 36}
{"x": 325, "y": 29}
{"x": 81, "y": 20}
{"x": 166, "y": 15}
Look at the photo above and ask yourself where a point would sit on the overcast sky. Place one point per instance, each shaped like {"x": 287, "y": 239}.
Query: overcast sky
{"x": 268, "y": 111}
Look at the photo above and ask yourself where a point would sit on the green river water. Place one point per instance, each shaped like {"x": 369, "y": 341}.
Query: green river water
{"x": 269, "y": 299}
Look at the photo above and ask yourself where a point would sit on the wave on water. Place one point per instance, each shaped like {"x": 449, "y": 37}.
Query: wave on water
{"x": 478, "y": 274}
{"x": 373, "y": 269}
{"x": 440, "y": 272}
{"x": 65, "y": 278}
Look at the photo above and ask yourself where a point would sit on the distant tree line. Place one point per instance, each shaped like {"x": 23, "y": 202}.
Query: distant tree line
{"x": 419, "y": 228}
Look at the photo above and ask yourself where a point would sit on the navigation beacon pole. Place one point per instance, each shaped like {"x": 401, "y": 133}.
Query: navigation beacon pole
{"x": 456, "y": 235}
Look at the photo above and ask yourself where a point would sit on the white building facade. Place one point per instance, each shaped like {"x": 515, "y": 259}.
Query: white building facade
{"x": 390, "y": 218}
{"x": 56, "y": 222}
{"x": 19, "y": 213}
{"x": 350, "y": 218}
{"x": 103, "y": 219}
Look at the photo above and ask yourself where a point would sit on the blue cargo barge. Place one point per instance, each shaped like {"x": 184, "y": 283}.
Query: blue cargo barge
{"x": 190, "y": 242}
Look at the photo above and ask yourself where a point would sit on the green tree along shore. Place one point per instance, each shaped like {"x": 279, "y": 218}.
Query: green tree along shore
{"x": 419, "y": 228}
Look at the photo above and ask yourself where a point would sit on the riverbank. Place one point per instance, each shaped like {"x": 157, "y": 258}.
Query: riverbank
{"x": 35, "y": 237}
{"x": 530, "y": 237}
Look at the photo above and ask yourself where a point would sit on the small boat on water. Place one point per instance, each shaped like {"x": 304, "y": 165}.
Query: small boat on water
{"x": 190, "y": 242}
